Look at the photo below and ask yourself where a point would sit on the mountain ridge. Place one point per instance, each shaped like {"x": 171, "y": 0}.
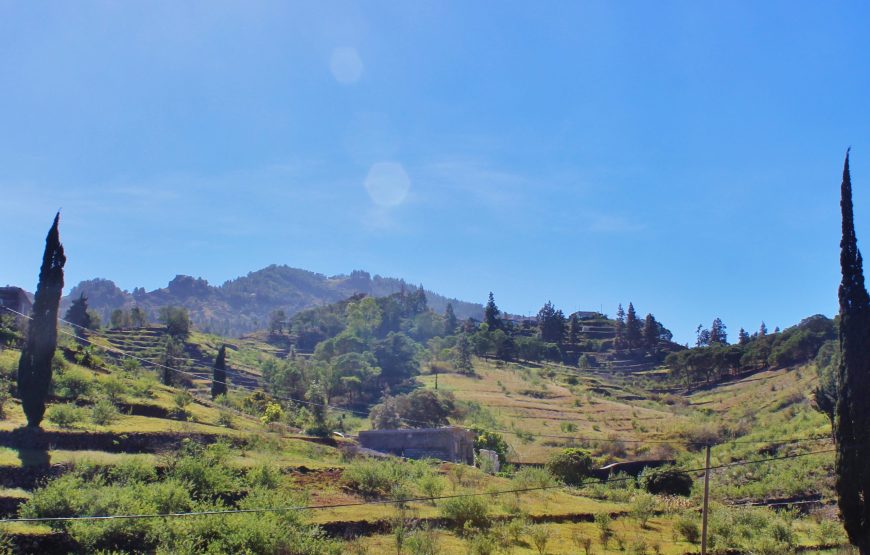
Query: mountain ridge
{"x": 243, "y": 304}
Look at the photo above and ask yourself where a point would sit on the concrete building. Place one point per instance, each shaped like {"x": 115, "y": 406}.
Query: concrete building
{"x": 447, "y": 444}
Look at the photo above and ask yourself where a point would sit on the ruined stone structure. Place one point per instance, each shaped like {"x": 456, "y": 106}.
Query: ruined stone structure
{"x": 447, "y": 444}
{"x": 15, "y": 299}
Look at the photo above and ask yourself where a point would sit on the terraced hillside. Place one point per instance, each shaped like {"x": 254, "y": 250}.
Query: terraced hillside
{"x": 115, "y": 433}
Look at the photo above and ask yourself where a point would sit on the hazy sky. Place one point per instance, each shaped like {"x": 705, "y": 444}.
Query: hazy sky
{"x": 685, "y": 156}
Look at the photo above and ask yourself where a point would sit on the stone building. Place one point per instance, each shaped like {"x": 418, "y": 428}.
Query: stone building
{"x": 450, "y": 443}
{"x": 15, "y": 298}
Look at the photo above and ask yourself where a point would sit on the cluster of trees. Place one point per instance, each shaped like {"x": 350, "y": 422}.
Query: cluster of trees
{"x": 632, "y": 333}
{"x": 713, "y": 358}
{"x": 365, "y": 346}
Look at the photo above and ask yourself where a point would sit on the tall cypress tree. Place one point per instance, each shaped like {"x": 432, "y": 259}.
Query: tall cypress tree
{"x": 852, "y": 430}
{"x": 34, "y": 367}
{"x": 219, "y": 376}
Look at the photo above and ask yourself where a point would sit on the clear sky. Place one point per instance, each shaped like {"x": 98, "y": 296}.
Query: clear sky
{"x": 685, "y": 156}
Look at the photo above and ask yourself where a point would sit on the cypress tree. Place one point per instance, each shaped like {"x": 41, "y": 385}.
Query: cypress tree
{"x": 219, "y": 376}
{"x": 852, "y": 430}
{"x": 34, "y": 367}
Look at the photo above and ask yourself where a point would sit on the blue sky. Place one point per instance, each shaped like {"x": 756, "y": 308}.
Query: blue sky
{"x": 685, "y": 156}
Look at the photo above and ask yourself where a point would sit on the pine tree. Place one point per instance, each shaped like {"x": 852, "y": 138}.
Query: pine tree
{"x": 632, "y": 328}
{"x": 650, "y": 332}
{"x": 742, "y": 337}
{"x": 219, "y": 374}
{"x": 852, "y": 430}
{"x": 574, "y": 328}
{"x": 34, "y": 366}
{"x": 77, "y": 315}
{"x": 551, "y": 323}
{"x": 718, "y": 332}
{"x": 450, "y": 320}
{"x": 762, "y": 329}
{"x": 491, "y": 314}
{"x": 463, "y": 355}
{"x": 619, "y": 339}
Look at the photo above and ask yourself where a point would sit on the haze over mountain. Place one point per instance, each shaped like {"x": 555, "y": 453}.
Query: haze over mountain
{"x": 244, "y": 304}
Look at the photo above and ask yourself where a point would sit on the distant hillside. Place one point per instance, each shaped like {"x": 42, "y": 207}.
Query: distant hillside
{"x": 243, "y": 305}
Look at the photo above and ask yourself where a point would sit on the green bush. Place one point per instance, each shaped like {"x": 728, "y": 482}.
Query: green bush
{"x": 492, "y": 441}
{"x": 666, "y": 481}
{"x": 73, "y": 383}
{"x": 203, "y": 476}
{"x": 64, "y": 415}
{"x": 272, "y": 413}
{"x": 264, "y": 476}
{"x": 571, "y": 466}
{"x": 225, "y": 419}
{"x": 103, "y": 412}
{"x": 133, "y": 470}
{"x": 643, "y": 508}
{"x": 467, "y": 511}
{"x": 431, "y": 485}
{"x": 533, "y": 477}
{"x": 374, "y": 478}
{"x": 687, "y": 527}
{"x": 113, "y": 388}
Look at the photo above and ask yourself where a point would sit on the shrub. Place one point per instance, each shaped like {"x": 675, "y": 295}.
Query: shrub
{"x": 666, "y": 481}
{"x": 605, "y": 532}
{"x": 492, "y": 441}
{"x": 103, "y": 413}
{"x": 73, "y": 383}
{"x": 272, "y": 413}
{"x": 264, "y": 476}
{"x": 431, "y": 485}
{"x": 133, "y": 470}
{"x": 113, "y": 388}
{"x": 423, "y": 542}
{"x": 533, "y": 477}
{"x": 373, "y": 478}
{"x": 481, "y": 544}
{"x": 540, "y": 536}
{"x": 64, "y": 415}
{"x": 581, "y": 542}
{"x": 687, "y": 527}
{"x": 203, "y": 475}
{"x": 642, "y": 508}
{"x": 181, "y": 400}
{"x": 143, "y": 387}
{"x": 225, "y": 419}
{"x": 571, "y": 466}
{"x": 467, "y": 512}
